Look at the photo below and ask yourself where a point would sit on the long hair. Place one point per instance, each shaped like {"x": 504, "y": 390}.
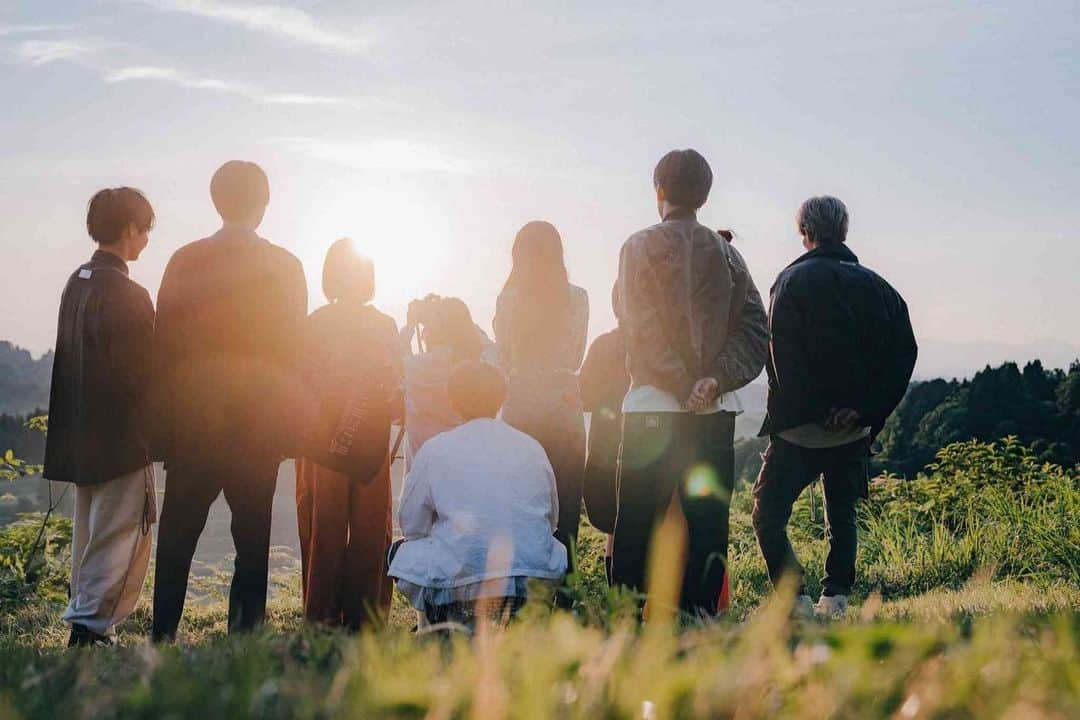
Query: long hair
{"x": 541, "y": 285}
{"x": 450, "y": 324}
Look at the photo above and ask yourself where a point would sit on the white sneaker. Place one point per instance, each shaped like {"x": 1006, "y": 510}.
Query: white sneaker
{"x": 804, "y": 608}
{"x": 832, "y": 606}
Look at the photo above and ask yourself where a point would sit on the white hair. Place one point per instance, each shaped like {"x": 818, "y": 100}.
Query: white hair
{"x": 823, "y": 219}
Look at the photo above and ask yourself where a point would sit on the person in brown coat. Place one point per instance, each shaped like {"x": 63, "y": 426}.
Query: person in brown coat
{"x": 352, "y": 372}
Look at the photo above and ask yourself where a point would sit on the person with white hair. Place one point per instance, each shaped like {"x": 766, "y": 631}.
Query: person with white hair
{"x": 841, "y": 354}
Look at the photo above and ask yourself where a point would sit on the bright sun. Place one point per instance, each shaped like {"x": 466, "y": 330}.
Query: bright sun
{"x": 406, "y": 237}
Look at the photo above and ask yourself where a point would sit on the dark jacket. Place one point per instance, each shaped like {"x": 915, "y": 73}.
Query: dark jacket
{"x": 227, "y": 350}
{"x": 98, "y": 403}
{"x": 352, "y": 371}
{"x": 841, "y": 338}
{"x": 604, "y": 382}
{"x": 689, "y": 308}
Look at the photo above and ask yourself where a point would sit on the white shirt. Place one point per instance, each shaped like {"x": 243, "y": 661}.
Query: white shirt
{"x": 479, "y": 503}
{"x": 651, "y": 399}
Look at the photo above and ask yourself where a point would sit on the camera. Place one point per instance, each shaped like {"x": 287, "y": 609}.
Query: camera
{"x": 423, "y": 310}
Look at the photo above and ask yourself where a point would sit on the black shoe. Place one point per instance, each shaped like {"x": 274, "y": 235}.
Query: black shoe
{"x": 82, "y": 636}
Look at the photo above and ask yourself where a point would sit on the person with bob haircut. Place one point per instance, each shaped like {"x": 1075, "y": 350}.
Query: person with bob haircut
{"x": 352, "y": 375}
{"x": 695, "y": 332}
{"x": 99, "y": 410}
{"x": 478, "y": 512}
{"x": 541, "y": 324}
{"x": 841, "y": 356}
{"x": 231, "y": 309}
{"x": 446, "y": 336}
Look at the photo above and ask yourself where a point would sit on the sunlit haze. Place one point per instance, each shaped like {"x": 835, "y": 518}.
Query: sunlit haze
{"x": 430, "y": 132}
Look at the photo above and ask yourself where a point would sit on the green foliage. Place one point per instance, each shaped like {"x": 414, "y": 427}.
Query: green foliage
{"x": 34, "y": 560}
{"x": 1041, "y": 407}
{"x": 966, "y": 607}
{"x": 549, "y": 666}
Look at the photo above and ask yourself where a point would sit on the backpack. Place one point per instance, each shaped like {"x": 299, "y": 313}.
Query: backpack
{"x": 352, "y": 381}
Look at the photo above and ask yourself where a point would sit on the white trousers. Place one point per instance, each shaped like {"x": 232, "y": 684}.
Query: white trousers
{"x": 110, "y": 549}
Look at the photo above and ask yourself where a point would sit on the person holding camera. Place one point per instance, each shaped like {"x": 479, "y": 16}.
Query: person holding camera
{"x": 446, "y": 337}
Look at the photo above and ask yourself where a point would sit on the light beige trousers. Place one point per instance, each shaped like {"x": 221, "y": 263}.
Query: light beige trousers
{"x": 110, "y": 549}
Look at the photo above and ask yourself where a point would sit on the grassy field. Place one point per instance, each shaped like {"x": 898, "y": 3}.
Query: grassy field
{"x": 967, "y": 607}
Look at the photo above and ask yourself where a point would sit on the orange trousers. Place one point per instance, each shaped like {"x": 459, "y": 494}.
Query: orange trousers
{"x": 345, "y": 532}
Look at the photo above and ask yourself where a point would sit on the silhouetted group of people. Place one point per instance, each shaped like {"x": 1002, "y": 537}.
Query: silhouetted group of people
{"x": 230, "y": 376}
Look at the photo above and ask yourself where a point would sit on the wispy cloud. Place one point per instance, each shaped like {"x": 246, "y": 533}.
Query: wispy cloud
{"x": 42, "y": 52}
{"x": 290, "y": 23}
{"x": 176, "y": 77}
{"x": 6, "y": 30}
{"x": 392, "y": 155}
{"x": 180, "y": 78}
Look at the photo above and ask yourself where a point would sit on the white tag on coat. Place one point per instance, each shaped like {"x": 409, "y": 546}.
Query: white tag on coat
{"x": 85, "y": 273}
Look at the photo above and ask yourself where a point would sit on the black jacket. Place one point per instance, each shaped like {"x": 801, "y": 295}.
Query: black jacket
{"x": 227, "y": 350}
{"x": 604, "y": 382}
{"x": 840, "y": 338}
{"x": 99, "y": 400}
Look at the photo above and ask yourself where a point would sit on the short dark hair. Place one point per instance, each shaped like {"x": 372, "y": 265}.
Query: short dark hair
{"x": 348, "y": 273}
{"x": 239, "y": 189}
{"x": 686, "y": 178}
{"x": 476, "y": 390}
{"x": 111, "y": 211}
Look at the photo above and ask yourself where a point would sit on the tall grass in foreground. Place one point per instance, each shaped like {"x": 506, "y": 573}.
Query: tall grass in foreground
{"x": 548, "y": 666}
{"x": 967, "y": 607}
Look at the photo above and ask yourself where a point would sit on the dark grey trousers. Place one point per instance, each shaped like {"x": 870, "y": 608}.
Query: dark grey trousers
{"x": 787, "y": 470}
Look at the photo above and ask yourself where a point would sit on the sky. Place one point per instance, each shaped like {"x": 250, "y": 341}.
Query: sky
{"x": 430, "y": 132}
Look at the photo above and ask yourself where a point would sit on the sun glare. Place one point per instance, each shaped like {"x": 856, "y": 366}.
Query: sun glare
{"x": 405, "y": 236}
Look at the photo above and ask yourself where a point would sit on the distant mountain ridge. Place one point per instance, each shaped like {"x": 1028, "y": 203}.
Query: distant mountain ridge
{"x": 949, "y": 359}
{"x": 24, "y": 381}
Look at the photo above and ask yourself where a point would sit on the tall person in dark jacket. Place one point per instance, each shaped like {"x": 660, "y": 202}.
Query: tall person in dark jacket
{"x": 227, "y": 348}
{"x": 98, "y": 415}
{"x": 695, "y": 333}
{"x": 842, "y": 353}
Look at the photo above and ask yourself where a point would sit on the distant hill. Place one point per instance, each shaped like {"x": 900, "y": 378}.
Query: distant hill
{"x": 24, "y": 381}
{"x": 948, "y": 360}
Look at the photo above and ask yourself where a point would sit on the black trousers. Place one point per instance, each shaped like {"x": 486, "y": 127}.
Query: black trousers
{"x": 669, "y": 454}
{"x": 786, "y": 471}
{"x": 190, "y": 490}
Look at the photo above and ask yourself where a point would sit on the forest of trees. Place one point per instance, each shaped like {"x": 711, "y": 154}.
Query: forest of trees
{"x": 1040, "y": 407}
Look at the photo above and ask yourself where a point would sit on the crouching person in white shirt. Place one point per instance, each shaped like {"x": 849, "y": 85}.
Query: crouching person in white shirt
{"x": 478, "y": 511}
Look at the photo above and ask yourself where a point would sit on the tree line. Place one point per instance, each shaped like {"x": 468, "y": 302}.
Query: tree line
{"x": 1038, "y": 406}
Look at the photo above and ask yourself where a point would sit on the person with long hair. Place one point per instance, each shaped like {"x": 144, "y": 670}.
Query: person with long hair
{"x": 446, "y": 337}
{"x": 541, "y": 323}
{"x": 352, "y": 372}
